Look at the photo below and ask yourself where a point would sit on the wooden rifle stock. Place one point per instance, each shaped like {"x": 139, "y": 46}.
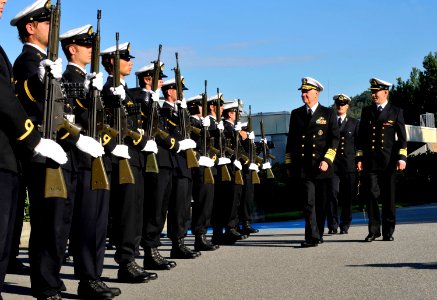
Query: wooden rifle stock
{"x": 125, "y": 175}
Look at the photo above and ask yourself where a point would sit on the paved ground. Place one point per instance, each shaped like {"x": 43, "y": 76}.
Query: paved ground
{"x": 271, "y": 265}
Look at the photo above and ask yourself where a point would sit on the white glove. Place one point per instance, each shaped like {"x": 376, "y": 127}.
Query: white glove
{"x": 96, "y": 81}
{"x": 52, "y": 150}
{"x": 155, "y": 96}
{"x": 151, "y": 147}
{"x": 183, "y": 103}
{"x": 253, "y": 167}
{"x": 224, "y": 161}
{"x": 251, "y": 135}
{"x": 266, "y": 166}
{"x": 89, "y": 145}
{"x": 220, "y": 125}
{"x": 206, "y": 122}
{"x": 238, "y": 165}
{"x": 118, "y": 91}
{"x": 186, "y": 144}
{"x": 140, "y": 130}
{"x": 237, "y": 126}
{"x": 264, "y": 140}
{"x": 121, "y": 151}
{"x": 206, "y": 162}
{"x": 55, "y": 68}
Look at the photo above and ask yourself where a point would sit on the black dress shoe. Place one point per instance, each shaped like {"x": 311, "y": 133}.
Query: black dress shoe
{"x": 343, "y": 231}
{"x": 114, "y": 290}
{"x": 372, "y": 236}
{"x": 132, "y": 273}
{"x": 233, "y": 234}
{"x": 247, "y": 229}
{"x": 388, "y": 238}
{"x": 153, "y": 260}
{"x": 180, "y": 251}
{"x": 321, "y": 241}
{"x": 307, "y": 244}
{"x": 17, "y": 267}
{"x": 333, "y": 231}
{"x": 92, "y": 289}
{"x": 202, "y": 244}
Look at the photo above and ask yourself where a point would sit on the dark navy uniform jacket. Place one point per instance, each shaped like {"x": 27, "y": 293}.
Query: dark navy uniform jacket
{"x": 310, "y": 142}
{"x": 382, "y": 139}
{"x": 345, "y": 158}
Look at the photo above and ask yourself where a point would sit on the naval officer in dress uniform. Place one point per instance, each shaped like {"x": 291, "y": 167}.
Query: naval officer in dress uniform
{"x": 381, "y": 151}
{"x": 309, "y": 156}
{"x": 344, "y": 181}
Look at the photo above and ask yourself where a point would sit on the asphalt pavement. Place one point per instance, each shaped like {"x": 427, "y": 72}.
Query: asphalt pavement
{"x": 272, "y": 265}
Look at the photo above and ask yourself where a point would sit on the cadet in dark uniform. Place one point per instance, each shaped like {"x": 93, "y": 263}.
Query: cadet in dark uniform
{"x": 178, "y": 183}
{"x": 90, "y": 216}
{"x": 17, "y": 132}
{"x": 310, "y": 151}
{"x": 382, "y": 150}
{"x": 50, "y": 217}
{"x": 203, "y": 193}
{"x": 127, "y": 198}
{"x": 345, "y": 172}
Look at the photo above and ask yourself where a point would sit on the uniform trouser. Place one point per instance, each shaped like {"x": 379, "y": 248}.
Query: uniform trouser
{"x": 88, "y": 231}
{"x": 314, "y": 195}
{"x": 8, "y": 202}
{"x": 128, "y": 200}
{"x": 247, "y": 199}
{"x": 227, "y": 197}
{"x": 16, "y": 237}
{"x": 156, "y": 205}
{"x": 50, "y": 219}
{"x": 379, "y": 187}
{"x": 179, "y": 208}
{"x": 203, "y": 197}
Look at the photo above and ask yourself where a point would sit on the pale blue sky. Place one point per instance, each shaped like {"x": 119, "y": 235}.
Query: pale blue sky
{"x": 259, "y": 50}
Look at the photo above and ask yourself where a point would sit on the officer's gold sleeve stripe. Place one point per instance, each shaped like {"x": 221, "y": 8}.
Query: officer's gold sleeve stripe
{"x": 172, "y": 123}
{"x": 403, "y": 151}
{"x": 28, "y": 125}
{"x": 29, "y": 95}
{"x": 106, "y": 139}
{"x": 360, "y": 153}
{"x": 288, "y": 158}
{"x": 330, "y": 154}
{"x": 65, "y": 136}
{"x": 80, "y": 104}
{"x": 136, "y": 142}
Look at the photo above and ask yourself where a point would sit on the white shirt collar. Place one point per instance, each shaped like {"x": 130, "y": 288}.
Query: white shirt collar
{"x": 312, "y": 108}
{"x": 383, "y": 105}
{"x": 77, "y": 66}
{"x": 37, "y": 47}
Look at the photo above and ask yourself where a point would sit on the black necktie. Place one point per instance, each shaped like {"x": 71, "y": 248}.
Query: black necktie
{"x": 379, "y": 108}
{"x": 339, "y": 122}
{"x": 310, "y": 113}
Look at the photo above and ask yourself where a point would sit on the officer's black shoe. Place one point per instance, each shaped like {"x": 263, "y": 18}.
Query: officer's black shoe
{"x": 132, "y": 273}
{"x": 247, "y": 229}
{"x": 343, "y": 231}
{"x": 333, "y": 231}
{"x": 153, "y": 260}
{"x": 388, "y": 238}
{"x": 371, "y": 237}
{"x": 15, "y": 266}
{"x": 114, "y": 290}
{"x": 321, "y": 241}
{"x": 179, "y": 250}
{"x": 91, "y": 289}
{"x": 310, "y": 243}
{"x": 202, "y": 244}
{"x": 233, "y": 234}
{"x": 53, "y": 297}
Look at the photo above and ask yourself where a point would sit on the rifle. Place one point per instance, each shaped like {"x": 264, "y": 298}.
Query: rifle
{"x": 238, "y": 176}
{"x": 151, "y": 162}
{"x": 254, "y": 174}
{"x": 207, "y": 173}
{"x": 224, "y": 169}
{"x": 125, "y": 174}
{"x": 265, "y": 149}
{"x": 183, "y": 117}
{"x": 96, "y": 116}
{"x": 53, "y": 116}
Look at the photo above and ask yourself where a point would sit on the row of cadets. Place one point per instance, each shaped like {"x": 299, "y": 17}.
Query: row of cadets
{"x": 18, "y": 136}
{"x": 126, "y": 198}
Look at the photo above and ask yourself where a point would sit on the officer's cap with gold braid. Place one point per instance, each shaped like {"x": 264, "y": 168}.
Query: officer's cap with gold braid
{"x": 124, "y": 50}
{"x": 341, "y": 99}
{"x": 213, "y": 99}
{"x": 378, "y": 84}
{"x": 171, "y": 84}
{"x": 148, "y": 70}
{"x": 38, "y": 11}
{"x": 82, "y": 36}
{"x": 309, "y": 83}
